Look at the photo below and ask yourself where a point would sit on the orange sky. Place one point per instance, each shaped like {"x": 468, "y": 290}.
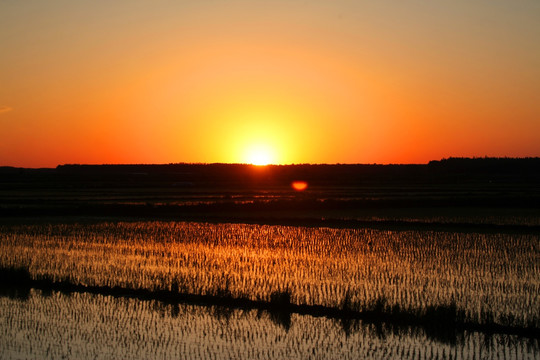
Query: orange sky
{"x": 270, "y": 81}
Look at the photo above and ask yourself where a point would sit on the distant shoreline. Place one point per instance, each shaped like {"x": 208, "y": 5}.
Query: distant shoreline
{"x": 455, "y": 194}
{"x": 450, "y": 161}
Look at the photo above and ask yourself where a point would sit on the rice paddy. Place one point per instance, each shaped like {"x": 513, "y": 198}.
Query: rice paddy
{"x": 488, "y": 278}
{"x": 86, "y": 326}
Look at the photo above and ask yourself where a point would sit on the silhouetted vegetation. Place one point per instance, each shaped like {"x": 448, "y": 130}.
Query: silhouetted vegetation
{"x": 213, "y": 176}
{"x": 246, "y": 193}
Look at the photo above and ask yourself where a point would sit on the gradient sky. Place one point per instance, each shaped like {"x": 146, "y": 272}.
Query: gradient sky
{"x": 300, "y": 81}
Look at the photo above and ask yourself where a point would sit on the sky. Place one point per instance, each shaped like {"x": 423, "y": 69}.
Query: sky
{"x": 162, "y": 81}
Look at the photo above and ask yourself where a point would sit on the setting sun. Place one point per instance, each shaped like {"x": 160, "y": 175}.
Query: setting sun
{"x": 260, "y": 155}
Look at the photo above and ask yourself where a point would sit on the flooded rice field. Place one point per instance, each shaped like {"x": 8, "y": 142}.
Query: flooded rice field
{"x": 87, "y": 326}
{"x": 210, "y": 291}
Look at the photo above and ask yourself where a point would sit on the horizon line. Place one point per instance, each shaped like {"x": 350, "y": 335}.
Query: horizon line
{"x": 276, "y": 165}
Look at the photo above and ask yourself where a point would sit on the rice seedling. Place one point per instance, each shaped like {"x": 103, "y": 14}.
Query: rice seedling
{"x": 86, "y": 326}
{"x": 488, "y": 278}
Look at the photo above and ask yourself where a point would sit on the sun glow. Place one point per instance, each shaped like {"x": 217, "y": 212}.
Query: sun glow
{"x": 260, "y": 155}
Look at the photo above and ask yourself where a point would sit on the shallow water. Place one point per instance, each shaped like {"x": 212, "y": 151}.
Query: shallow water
{"x": 85, "y": 326}
{"x": 491, "y": 278}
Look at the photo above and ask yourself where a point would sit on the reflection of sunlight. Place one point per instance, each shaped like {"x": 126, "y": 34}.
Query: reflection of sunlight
{"x": 299, "y": 185}
{"x": 259, "y": 155}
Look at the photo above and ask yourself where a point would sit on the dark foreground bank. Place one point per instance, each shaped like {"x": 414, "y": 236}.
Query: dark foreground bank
{"x": 493, "y": 195}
